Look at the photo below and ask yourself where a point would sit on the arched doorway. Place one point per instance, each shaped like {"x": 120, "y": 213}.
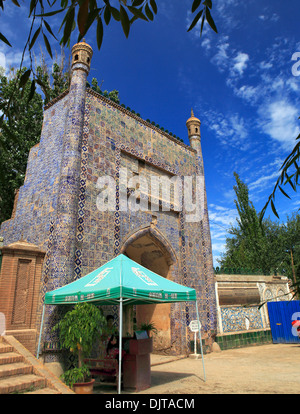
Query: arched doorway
{"x": 149, "y": 248}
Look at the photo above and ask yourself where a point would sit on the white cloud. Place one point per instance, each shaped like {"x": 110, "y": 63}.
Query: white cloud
{"x": 2, "y": 60}
{"x": 220, "y": 59}
{"x": 261, "y": 183}
{"x": 230, "y": 130}
{"x": 248, "y": 93}
{"x": 240, "y": 62}
{"x": 220, "y": 218}
{"x": 273, "y": 18}
{"x": 223, "y": 217}
{"x": 265, "y": 65}
{"x": 279, "y": 120}
{"x": 206, "y": 43}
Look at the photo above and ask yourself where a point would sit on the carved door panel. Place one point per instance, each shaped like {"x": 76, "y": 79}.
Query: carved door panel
{"x": 22, "y": 296}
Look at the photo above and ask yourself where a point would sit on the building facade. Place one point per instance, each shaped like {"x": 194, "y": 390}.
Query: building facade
{"x": 91, "y": 192}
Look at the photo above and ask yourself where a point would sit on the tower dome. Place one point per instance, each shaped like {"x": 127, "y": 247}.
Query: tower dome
{"x": 81, "y": 56}
{"x": 193, "y": 126}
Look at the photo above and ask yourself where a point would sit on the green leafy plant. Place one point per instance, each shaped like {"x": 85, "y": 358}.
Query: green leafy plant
{"x": 78, "y": 330}
{"x": 149, "y": 327}
{"x": 76, "y": 375}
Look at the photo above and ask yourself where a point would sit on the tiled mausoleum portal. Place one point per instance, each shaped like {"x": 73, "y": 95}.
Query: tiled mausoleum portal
{"x": 85, "y": 137}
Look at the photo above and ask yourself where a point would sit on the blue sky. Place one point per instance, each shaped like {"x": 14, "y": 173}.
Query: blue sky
{"x": 239, "y": 83}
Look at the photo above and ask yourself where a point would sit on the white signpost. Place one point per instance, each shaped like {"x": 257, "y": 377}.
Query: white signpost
{"x": 194, "y": 327}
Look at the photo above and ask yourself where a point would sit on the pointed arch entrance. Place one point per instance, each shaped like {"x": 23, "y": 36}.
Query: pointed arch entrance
{"x": 149, "y": 247}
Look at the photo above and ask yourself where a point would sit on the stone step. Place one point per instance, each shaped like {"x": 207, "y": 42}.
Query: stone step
{"x": 5, "y": 348}
{"x": 21, "y": 383}
{"x": 10, "y": 358}
{"x": 43, "y": 391}
{"x": 17, "y": 368}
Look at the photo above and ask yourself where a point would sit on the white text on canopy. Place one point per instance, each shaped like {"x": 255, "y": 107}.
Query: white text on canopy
{"x": 99, "y": 277}
{"x": 146, "y": 279}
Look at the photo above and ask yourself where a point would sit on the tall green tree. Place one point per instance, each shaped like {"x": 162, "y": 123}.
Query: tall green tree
{"x": 53, "y": 81}
{"x": 22, "y": 129}
{"x": 24, "y": 126}
{"x": 261, "y": 246}
{"x": 250, "y": 231}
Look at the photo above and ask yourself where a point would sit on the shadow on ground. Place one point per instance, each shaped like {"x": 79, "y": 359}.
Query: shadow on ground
{"x": 157, "y": 378}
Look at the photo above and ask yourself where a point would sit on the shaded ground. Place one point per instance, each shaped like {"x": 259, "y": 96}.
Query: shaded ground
{"x": 264, "y": 369}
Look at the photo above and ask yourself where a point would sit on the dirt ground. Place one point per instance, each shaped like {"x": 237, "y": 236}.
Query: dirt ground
{"x": 264, "y": 369}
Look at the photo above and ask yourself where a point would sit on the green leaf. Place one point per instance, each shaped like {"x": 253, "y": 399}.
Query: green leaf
{"x": 202, "y": 24}
{"x": 115, "y": 13}
{"x": 9, "y": 132}
{"x": 99, "y": 32}
{"x": 24, "y": 78}
{"x": 70, "y": 17}
{"x": 149, "y": 13}
{"x": 208, "y": 3}
{"x": 137, "y": 3}
{"x": 32, "y": 6}
{"x": 288, "y": 180}
{"x": 49, "y": 29}
{"x": 3, "y": 38}
{"x": 32, "y": 90}
{"x": 154, "y": 6}
{"x": 195, "y": 5}
{"x": 137, "y": 12}
{"x": 91, "y": 17}
{"x": 16, "y": 3}
{"x": 34, "y": 37}
{"x": 107, "y": 15}
{"x": 50, "y": 13}
{"x": 64, "y": 3}
{"x": 283, "y": 192}
{"x": 47, "y": 44}
{"x": 124, "y": 21}
{"x": 274, "y": 209}
{"x": 210, "y": 20}
{"x": 83, "y": 15}
{"x": 195, "y": 21}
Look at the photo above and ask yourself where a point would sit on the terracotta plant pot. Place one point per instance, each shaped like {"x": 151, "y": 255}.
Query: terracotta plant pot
{"x": 84, "y": 387}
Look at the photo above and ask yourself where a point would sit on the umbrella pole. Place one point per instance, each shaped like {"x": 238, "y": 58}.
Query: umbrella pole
{"x": 40, "y": 336}
{"x": 199, "y": 331}
{"x": 120, "y": 344}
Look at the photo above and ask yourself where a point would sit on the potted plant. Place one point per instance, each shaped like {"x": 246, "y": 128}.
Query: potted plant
{"x": 78, "y": 330}
{"x": 148, "y": 327}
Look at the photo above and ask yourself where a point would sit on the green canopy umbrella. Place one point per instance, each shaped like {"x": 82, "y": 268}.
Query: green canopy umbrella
{"x": 121, "y": 280}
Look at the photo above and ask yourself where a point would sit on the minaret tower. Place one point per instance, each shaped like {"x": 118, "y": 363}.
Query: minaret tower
{"x": 193, "y": 126}
{"x": 67, "y": 206}
{"x": 62, "y": 250}
{"x": 194, "y": 134}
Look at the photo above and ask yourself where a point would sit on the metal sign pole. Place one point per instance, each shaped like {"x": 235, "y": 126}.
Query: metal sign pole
{"x": 40, "y": 336}
{"x": 120, "y": 344}
{"x": 199, "y": 330}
